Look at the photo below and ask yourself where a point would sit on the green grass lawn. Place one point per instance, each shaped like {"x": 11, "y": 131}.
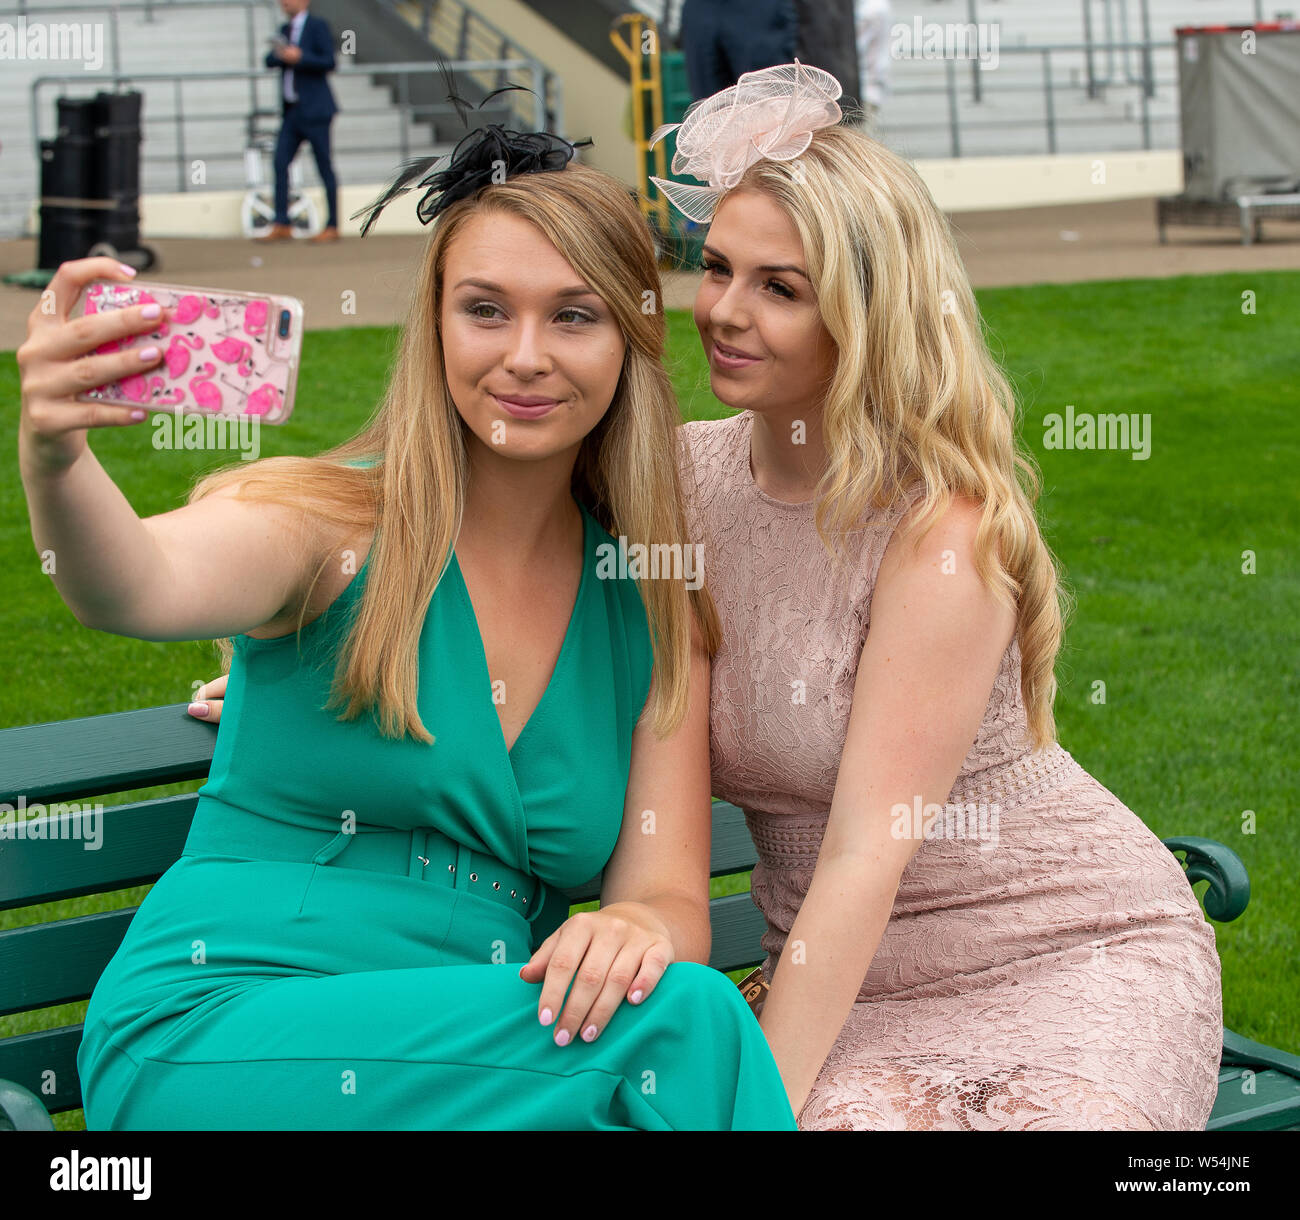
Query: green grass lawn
{"x": 1198, "y": 722}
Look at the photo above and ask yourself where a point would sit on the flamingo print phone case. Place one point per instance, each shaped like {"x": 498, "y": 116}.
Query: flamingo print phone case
{"x": 224, "y": 353}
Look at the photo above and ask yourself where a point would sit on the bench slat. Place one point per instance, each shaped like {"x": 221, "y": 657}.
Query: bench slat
{"x": 25, "y": 1059}
{"x": 68, "y": 759}
{"x": 138, "y": 843}
{"x": 57, "y": 963}
{"x": 1272, "y": 1104}
{"x": 737, "y": 924}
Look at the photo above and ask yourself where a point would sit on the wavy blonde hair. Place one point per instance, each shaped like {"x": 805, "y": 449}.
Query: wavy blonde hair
{"x": 414, "y": 494}
{"x": 916, "y": 394}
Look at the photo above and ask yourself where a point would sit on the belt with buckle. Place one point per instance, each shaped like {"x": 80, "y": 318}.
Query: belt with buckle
{"x": 424, "y": 853}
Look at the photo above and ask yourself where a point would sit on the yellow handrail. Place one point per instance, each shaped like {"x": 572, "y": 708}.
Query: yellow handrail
{"x": 641, "y": 51}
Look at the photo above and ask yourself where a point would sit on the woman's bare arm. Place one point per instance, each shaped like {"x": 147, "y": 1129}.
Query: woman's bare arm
{"x": 655, "y": 886}
{"x": 214, "y": 568}
{"x": 662, "y": 854}
{"x": 923, "y": 683}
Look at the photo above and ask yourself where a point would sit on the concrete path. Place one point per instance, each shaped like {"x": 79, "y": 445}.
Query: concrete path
{"x": 1063, "y": 244}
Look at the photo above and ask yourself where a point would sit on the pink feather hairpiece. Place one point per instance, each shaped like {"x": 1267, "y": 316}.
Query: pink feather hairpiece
{"x": 771, "y": 113}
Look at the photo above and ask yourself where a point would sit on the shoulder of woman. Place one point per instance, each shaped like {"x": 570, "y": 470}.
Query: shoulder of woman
{"x": 948, "y": 540}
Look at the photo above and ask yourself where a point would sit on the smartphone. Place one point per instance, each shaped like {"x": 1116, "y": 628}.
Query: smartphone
{"x": 225, "y": 353}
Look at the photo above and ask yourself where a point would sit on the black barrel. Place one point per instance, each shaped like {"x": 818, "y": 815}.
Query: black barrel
{"x": 116, "y": 167}
{"x": 90, "y": 178}
{"x": 68, "y": 230}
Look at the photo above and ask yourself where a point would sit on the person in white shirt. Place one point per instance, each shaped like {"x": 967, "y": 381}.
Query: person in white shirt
{"x": 872, "y": 19}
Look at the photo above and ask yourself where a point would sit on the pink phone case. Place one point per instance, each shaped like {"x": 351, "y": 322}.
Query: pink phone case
{"x": 224, "y": 353}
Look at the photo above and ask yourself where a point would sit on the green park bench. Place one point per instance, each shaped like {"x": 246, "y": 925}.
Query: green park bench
{"x": 58, "y": 962}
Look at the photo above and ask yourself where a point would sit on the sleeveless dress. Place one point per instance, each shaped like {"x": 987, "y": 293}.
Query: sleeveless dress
{"x": 339, "y": 944}
{"x": 1058, "y": 973}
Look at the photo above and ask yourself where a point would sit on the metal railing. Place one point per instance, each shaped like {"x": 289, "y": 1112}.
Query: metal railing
{"x": 1046, "y": 86}
{"x": 409, "y": 112}
{"x": 463, "y": 34}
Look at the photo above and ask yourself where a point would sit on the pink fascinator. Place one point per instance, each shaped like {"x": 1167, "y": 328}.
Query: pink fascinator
{"x": 771, "y": 113}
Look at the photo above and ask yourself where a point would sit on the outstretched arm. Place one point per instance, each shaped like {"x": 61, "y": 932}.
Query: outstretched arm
{"x": 217, "y": 567}
{"x": 924, "y": 679}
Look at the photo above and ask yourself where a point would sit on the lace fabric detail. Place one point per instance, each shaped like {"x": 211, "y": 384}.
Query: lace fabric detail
{"x": 1046, "y": 963}
{"x": 947, "y": 1095}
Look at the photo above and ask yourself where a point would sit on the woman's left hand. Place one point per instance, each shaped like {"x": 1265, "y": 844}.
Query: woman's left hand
{"x": 620, "y": 951}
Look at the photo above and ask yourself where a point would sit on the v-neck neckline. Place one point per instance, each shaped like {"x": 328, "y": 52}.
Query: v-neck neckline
{"x": 468, "y": 603}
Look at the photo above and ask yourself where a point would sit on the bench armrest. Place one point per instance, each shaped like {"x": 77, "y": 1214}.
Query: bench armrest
{"x": 1208, "y": 860}
{"x": 21, "y": 1110}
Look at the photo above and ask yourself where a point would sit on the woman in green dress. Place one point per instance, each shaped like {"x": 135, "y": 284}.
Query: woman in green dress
{"x": 442, "y": 711}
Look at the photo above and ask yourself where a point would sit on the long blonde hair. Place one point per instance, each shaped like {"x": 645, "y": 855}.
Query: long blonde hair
{"x": 414, "y": 493}
{"x": 916, "y": 394}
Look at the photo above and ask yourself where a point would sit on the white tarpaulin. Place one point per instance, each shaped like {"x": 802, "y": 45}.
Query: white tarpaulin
{"x": 1240, "y": 105}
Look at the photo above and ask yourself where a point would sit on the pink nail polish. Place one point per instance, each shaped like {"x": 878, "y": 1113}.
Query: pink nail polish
{"x": 148, "y": 353}
{"x": 589, "y": 1033}
{"x": 138, "y": 414}
{"x": 545, "y": 1018}
{"x": 195, "y": 709}
{"x": 562, "y": 1038}
{"x": 151, "y": 311}
{"x": 636, "y": 996}
{"x": 125, "y": 270}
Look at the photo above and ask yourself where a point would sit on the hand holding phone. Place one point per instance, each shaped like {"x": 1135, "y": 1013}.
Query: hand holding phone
{"x": 218, "y": 352}
{"x": 61, "y": 356}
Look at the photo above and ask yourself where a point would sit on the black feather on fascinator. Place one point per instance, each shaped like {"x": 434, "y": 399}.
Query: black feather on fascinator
{"x": 486, "y": 154}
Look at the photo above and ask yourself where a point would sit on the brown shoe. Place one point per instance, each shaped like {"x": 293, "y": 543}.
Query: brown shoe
{"x": 329, "y": 233}
{"x": 277, "y": 233}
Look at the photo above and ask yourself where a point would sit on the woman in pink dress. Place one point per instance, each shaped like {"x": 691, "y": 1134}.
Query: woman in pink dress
{"x": 965, "y": 929}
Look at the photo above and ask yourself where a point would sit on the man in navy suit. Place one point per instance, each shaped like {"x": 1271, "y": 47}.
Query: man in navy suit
{"x": 304, "y": 53}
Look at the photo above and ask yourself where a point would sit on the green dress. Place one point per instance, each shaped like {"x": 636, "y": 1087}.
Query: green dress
{"x": 339, "y": 944}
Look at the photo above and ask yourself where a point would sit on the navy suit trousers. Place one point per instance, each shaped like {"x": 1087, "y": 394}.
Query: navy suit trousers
{"x": 293, "y": 131}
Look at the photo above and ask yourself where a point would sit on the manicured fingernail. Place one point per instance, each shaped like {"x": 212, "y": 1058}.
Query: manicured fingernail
{"x": 125, "y": 270}
{"x": 562, "y": 1038}
{"x": 636, "y": 996}
{"x": 589, "y": 1033}
{"x": 195, "y": 709}
{"x": 545, "y": 1018}
{"x": 151, "y": 311}
{"x": 137, "y": 415}
{"x": 149, "y": 353}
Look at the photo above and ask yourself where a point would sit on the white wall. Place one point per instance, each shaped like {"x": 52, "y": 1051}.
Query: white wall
{"x": 960, "y": 185}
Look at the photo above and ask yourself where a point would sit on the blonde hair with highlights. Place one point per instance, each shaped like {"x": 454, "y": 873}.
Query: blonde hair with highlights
{"x": 414, "y": 493}
{"x": 915, "y": 392}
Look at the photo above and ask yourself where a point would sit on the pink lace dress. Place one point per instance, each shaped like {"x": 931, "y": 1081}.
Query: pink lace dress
{"x": 1056, "y": 973}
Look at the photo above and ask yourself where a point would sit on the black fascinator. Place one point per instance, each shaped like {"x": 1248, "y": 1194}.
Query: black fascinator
{"x": 487, "y": 154}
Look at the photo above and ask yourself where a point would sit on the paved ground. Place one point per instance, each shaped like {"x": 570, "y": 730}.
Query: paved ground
{"x": 1060, "y": 244}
